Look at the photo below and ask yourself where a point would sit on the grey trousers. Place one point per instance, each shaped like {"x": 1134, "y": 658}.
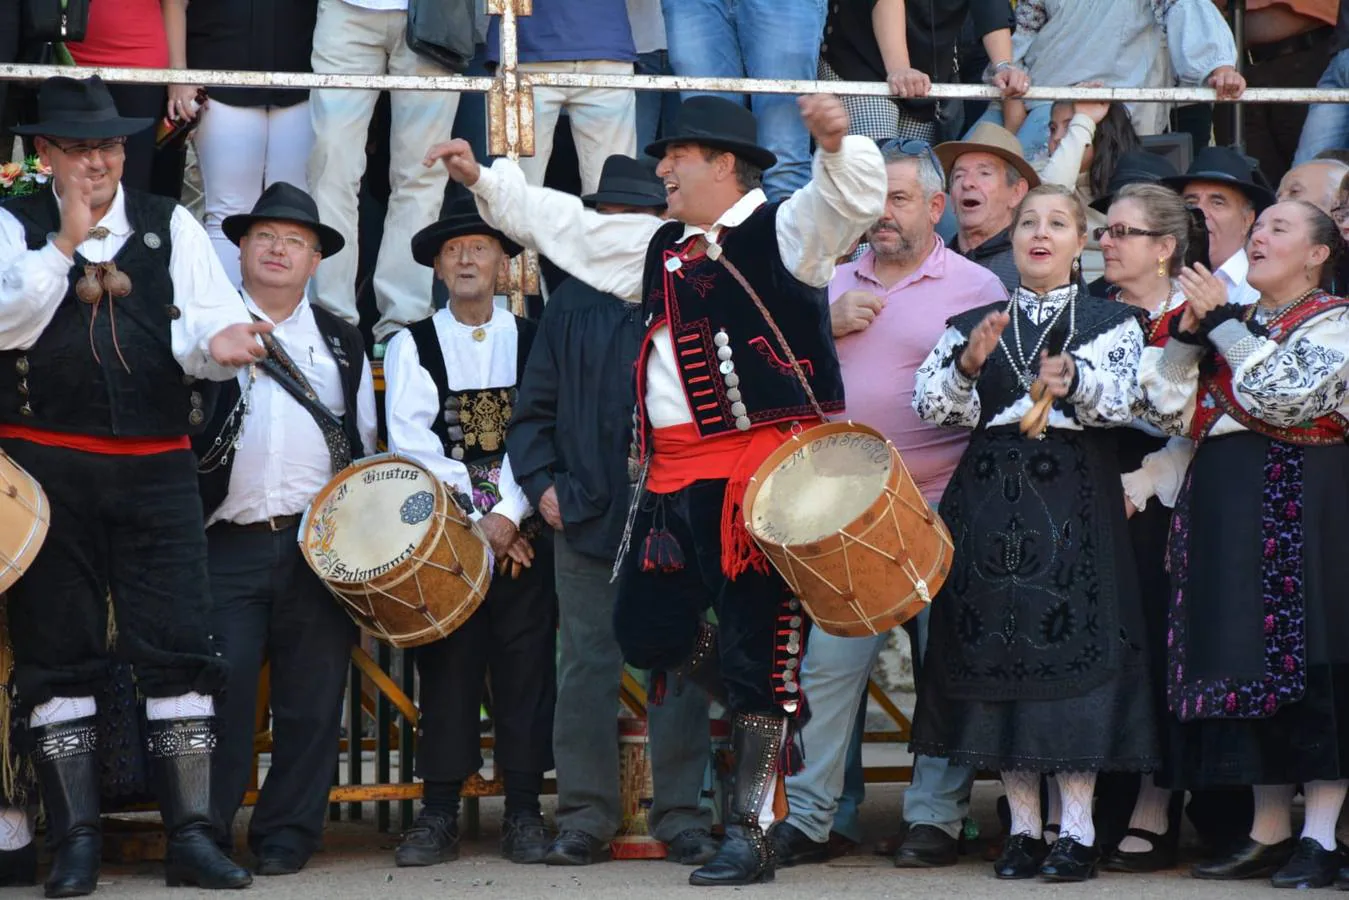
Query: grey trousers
{"x": 585, "y": 730}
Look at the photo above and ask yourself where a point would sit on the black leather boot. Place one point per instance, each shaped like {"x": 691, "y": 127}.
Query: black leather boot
{"x": 746, "y": 856}
{"x": 65, "y": 755}
{"x": 180, "y": 763}
{"x": 703, "y": 667}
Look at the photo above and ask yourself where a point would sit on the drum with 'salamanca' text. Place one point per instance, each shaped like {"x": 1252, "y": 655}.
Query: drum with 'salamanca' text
{"x": 387, "y": 538}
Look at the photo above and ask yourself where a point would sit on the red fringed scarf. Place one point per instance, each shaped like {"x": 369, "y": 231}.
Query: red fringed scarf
{"x": 681, "y": 456}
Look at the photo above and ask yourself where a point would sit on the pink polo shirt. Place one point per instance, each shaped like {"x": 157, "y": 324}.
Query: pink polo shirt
{"x": 879, "y": 363}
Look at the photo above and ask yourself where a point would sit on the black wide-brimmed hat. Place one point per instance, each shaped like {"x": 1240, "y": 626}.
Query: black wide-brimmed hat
{"x": 462, "y": 219}
{"x": 1224, "y": 165}
{"x": 1138, "y": 167}
{"x": 283, "y": 202}
{"x": 629, "y": 182}
{"x": 718, "y": 123}
{"x": 79, "y": 109}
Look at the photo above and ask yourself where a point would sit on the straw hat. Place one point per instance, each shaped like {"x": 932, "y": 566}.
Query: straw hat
{"x": 988, "y": 138}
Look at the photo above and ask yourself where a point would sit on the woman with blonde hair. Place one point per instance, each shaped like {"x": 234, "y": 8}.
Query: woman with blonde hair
{"x": 1037, "y": 645}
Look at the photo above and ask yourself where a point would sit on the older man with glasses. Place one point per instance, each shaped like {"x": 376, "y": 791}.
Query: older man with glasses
{"x": 886, "y": 308}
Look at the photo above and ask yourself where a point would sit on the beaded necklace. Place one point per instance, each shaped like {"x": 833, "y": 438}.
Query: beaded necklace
{"x": 1021, "y": 363}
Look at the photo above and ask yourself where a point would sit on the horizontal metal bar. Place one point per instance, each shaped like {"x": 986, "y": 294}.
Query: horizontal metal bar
{"x": 226, "y": 78}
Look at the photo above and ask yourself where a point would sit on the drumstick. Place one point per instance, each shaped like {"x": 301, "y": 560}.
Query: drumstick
{"x": 1036, "y": 419}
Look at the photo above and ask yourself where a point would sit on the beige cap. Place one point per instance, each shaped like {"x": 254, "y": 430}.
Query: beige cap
{"x": 988, "y": 138}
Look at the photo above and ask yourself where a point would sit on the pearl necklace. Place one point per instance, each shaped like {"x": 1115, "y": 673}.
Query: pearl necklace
{"x": 1021, "y": 363}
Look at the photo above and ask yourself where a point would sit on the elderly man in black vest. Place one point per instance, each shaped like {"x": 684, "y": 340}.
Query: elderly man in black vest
{"x": 572, "y": 449}
{"x": 281, "y": 430}
{"x": 717, "y": 393}
{"x": 113, "y": 309}
{"x": 451, "y": 387}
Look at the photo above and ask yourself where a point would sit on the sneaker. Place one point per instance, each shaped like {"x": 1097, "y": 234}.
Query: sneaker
{"x": 432, "y": 839}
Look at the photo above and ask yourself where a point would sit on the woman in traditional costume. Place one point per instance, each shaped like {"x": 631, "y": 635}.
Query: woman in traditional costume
{"x": 1038, "y": 647}
{"x": 1258, "y": 668}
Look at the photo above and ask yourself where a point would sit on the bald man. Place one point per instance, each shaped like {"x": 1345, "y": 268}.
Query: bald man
{"x": 1317, "y": 182}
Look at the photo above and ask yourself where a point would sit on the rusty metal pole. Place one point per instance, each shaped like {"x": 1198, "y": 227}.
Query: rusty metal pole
{"x": 510, "y": 133}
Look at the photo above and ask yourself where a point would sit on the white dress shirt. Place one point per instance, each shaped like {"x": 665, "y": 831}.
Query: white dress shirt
{"x": 412, "y": 402}
{"x": 380, "y": 5}
{"x": 1233, "y": 276}
{"x": 815, "y": 226}
{"x": 33, "y": 283}
{"x": 282, "y": 460}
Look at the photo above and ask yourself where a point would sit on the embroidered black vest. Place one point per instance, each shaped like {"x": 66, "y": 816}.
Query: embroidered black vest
{"x": 347, "y": 347}
{"x": 998, "y": 386}
{"x": 699, "y": 300}
{"x": 73, "y": 379}
{"x": 472, "y": 424}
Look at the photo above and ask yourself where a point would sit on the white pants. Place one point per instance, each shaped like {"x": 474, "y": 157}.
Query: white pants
{"x": 603, "y": 120}
{"x": 242, "y": 150}
{"x": 351, "y": 39}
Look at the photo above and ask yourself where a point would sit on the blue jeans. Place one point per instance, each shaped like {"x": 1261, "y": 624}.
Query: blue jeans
{"x": 1327, "y": 124}
{"x": 758, "y": 39}
{"x": 655, "y": 109}
{"x": 1033, "y": 133}
{"x": 826, "y": 794}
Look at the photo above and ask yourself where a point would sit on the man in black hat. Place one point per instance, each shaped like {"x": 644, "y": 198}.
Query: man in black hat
{"x": 719, "y": 389}
{"x": 451, "y": 386}
{"x": 266, "y": 453}
{"x": 570, "y": 444}
{"x": 1222, "y": 182}
{"x": 112, "y": 307}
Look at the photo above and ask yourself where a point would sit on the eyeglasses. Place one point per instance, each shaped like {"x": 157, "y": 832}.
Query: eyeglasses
{"x": 1120, "y": 232}
{"x": 111, "y": 149}
{"x": 292, "y": 243}
{"x": 914, "y": 148}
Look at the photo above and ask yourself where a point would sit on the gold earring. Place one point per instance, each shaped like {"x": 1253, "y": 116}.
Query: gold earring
{"x": 1161, "y": 266}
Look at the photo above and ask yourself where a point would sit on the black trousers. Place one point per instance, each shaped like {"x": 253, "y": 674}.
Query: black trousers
{"x": 510, "y": 640}
{"x": 269, "y": 605}
{"x": 129, "y": 526}
{"x": 657, "y": 614}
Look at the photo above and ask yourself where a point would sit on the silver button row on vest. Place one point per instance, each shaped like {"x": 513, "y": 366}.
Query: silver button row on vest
{"x": 722, "y": 340}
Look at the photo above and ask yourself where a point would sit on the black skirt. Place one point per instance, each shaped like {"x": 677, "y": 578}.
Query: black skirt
{"x": 1037, "y": 651}
{"x": 1258, "y": 673}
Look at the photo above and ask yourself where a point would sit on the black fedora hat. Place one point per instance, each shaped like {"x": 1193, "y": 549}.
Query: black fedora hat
{"x": 462, "y": 219}
{"x": 1224, "y": 165}
{"x": 1138, "y": 167}
{"x": 79, "y": 108}
{"x": 718, "y": 123}
{"x": 283, "y": 202}
{"x": 628, "y": 182}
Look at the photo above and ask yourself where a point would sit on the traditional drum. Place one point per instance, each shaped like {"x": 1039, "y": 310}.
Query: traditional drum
{"x": 388, "y": 539}
{"x": 635, "y": 791}
{"x": 24, "y": 515}
{"x": 840, "y": 517}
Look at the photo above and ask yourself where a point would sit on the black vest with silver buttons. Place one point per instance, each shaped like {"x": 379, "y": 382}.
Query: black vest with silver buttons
{"x": 106, "y": 368}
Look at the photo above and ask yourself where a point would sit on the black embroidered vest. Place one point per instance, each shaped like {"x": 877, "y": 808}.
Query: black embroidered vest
{"x": 700, "y": 300}
{"x": 998, "y": 386}
{"x": 73, "y": 379}
{"x": 347, "y": 347}
{"x": 472, "y": 424}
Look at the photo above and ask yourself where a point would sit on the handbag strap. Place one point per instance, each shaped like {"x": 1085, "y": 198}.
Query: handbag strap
{"x": 717, "y": 253}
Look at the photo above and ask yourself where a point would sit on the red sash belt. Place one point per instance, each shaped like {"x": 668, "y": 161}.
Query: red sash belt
{"x": 681, "y": 457}
{"x": 108, "y": 446}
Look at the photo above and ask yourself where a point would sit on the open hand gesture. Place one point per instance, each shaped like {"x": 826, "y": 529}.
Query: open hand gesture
{"x": 983, "y": 341}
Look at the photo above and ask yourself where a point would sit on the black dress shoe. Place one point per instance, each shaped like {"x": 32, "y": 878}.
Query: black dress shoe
{"x": 692, "y": 847}
{"x": 279, "y": 861}
{"x": 432, "y": 839}
{"x": 19, "y": 867}
{"x": 745, "y": 857}
{"x": 576, "y": 848}
{"x": 1342, "y": 879}
{"x": 793, "y": 847}
{"x": 1160, "y": 856}
{"x": 1022, "y": 856}
{"x": 525, "y": 839}
{"x": 1251, "y": 859}
{"x": 1069, "y": 860}
{"x": 927, "y": 847}
{"x": 1312, "y": 866}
